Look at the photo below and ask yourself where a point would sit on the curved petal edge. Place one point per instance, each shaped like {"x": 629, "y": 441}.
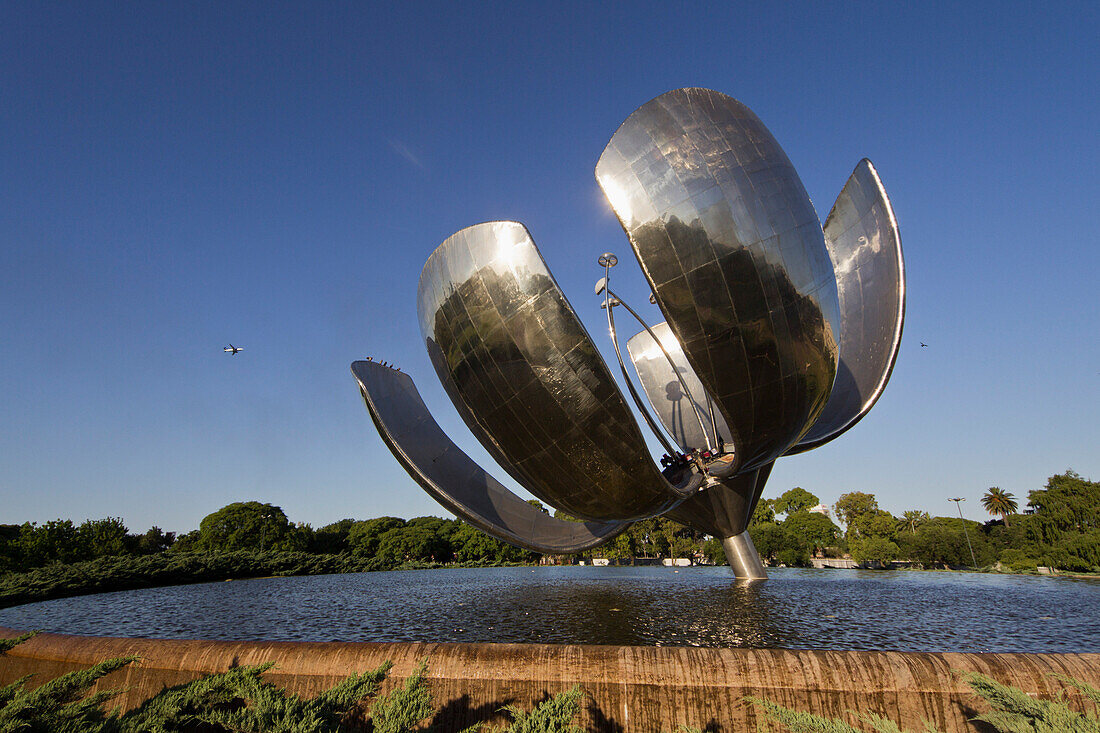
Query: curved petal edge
{"x": 454, "y": 480}
{"x": 528, "y": 381}
{"x": 861, "y": 234}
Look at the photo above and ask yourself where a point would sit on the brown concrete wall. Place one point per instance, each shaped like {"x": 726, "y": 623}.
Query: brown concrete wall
{"x": 647, "y": 689}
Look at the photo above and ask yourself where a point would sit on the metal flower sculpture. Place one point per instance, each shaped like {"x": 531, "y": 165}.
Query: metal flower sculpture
{"x": 780, "y": 335}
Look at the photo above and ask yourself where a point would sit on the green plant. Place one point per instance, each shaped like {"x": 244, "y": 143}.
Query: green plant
{"x": 60, "y": 704}
{"x": 405, "y": 706}
{"x": 550, "y": 716}
{"x": 1014, "y": 711}
{"x": 235, "y": 700}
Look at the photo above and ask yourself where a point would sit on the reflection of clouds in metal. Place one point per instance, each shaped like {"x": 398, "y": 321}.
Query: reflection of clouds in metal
{"x": 735, "y": 255}
{"x": 527, "y": 379}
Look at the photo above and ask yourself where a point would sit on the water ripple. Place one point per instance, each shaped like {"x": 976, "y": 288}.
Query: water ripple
{"x": 796, "y": 609}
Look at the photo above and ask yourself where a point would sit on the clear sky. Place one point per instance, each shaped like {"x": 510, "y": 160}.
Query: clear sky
{"x": 178, "y": 176}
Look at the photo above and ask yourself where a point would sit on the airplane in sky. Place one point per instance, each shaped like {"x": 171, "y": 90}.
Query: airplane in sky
{"x": 231, "y": 349}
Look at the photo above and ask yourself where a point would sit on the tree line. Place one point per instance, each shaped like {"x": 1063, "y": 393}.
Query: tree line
{"x": 1060, "y": 528}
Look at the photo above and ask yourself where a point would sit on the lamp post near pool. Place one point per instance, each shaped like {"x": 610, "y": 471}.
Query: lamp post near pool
{"x": 967, "y": 534}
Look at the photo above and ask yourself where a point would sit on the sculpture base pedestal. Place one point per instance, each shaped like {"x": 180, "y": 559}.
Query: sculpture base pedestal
{"x": 743, "y": 557}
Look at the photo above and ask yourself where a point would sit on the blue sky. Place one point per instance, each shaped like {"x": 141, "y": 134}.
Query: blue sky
{"x": 178, "y": 176}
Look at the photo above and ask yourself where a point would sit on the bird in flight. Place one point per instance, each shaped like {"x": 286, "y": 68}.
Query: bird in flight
{"x": 231, "y": 349}
{"x": 923, "y": 345}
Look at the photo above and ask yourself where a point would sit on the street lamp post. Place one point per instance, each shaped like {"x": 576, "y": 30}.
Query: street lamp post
{"x": 974, "y": 562}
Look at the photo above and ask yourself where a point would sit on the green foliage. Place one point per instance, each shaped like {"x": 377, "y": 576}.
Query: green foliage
{"x": 364, "y": 537}
{"x": 332, "y": 538}
{"x": 247, "y": 525}
{"x": 145, "y": 571}
{"x": 621, "y": 548}
{"x": 1068, "y": 504}
{"x": 555, "y": 715}
{"x": 800, "y": 722}
{"x": 238, "y": 699}
{"x": 405, "y": 706}
{"x": 6, "y": 644}
{"x": 998, "y": 502}
{"x": 777, "y": 543}
{"x": 1016, "y": 711}
{"x": 874, "y": 523}
{"x": 853, "y": 505}
{"x": 913, "y": 519}
{"x": 794, "y": 500}
{"x": 768, "y": 538}
{"x": 814, "y": 530}
{"x": 763, "y": 512}
{"x": 943, "y": 541}
{"x": 874, "y": 549}
{"x": 61, "y": 704}
{"x": 1017, "y": 560}
{"x": 714, "y": 552}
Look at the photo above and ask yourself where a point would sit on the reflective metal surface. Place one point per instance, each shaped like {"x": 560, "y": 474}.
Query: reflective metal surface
{"x": 725, "y": 506}
{"x": 525, "y": 376}
{"x": 674, "y": 407}
{"x": 743, "y": 557}
{"x": 735, "y": 255}
{"x": 454, "y": 480}
{"x": 780, "y": 336}
{"x": 865, "y": 247}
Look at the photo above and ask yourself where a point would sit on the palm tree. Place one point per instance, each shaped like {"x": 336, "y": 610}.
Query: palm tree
{"x": 997, "y": 501}
{"x": 913, "y": 519}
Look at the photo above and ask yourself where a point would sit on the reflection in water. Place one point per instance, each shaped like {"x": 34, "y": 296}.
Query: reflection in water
{"x": 796, "y": 609}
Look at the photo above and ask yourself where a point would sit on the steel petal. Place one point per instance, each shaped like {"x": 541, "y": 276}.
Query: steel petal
{"x": 864, "y": 245}
{"x": 734, "y": 253}
{"x": 454, "y": 480}
{"x": 527, "y": 379}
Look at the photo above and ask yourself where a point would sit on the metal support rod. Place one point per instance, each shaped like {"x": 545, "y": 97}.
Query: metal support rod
{"x": 713, "y": 419}
{"x": 965, "y": 533}
{"x": 630, "y": 385}
{"x": 683, "y": 385}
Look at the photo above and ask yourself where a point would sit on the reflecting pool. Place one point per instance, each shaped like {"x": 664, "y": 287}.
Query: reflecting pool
{"x": 697, "y": 606}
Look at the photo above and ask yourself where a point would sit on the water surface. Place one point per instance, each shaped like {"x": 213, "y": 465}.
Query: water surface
{"x": 700, "y": 606}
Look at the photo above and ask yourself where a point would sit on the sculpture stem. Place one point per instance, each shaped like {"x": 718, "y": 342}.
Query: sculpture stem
{"x": 743, "y": 557}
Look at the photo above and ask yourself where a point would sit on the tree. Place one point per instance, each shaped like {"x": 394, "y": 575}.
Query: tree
{"x": 332, "y": 538}
{"x": 1069, "y": 503}
{"x": 102, "y": 537}
{"x": 714, "y": 552}
{"x": 55, "y": 541}
{"x": 412, "y": 542}
{"x": 999, "y": 502}
{"x": 853, "y": 505}
{"x": 244, "y": 525}
{"x": 874, "y": 549}
{"x": 763, "y": 512}
{"x": 912, "y": 519}
{"x": 154, "y": 540}
{"x": 877, "y": 523}
{"x": 769, "y": 539}
{"x": 942, "y": 541}
{"x": 815, "y": 530}
{"x": 363, "y": 537}
{"x": 619, "y": 549}
{"x": 794, "y": 500}
{"x": 649, "y": 540}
